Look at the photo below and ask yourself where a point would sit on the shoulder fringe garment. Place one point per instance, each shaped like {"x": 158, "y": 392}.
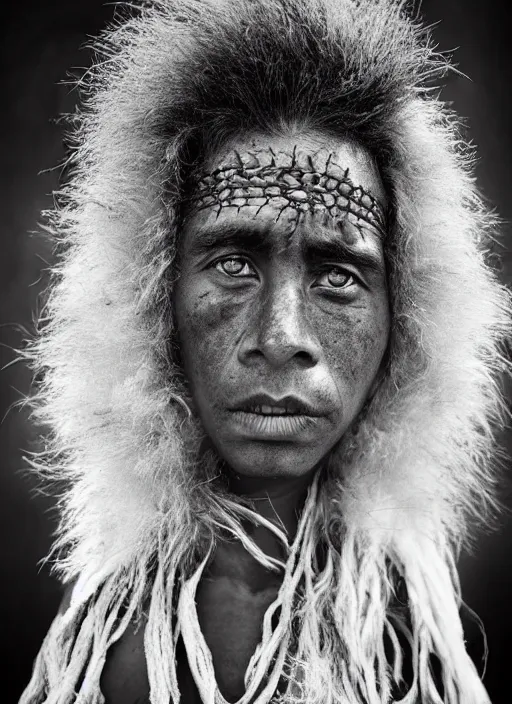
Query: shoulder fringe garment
{"x": 140, "y": 513}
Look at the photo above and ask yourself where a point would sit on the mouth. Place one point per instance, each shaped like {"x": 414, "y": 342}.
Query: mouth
{"x": 263, "y": 404}
{"x": 262, "y": 416}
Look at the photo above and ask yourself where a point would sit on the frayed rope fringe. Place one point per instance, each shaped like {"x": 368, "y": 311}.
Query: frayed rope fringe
{"x": 69, "y": 666}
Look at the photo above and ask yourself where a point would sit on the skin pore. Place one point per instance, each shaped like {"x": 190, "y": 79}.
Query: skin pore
{"x": 283, "y": 319}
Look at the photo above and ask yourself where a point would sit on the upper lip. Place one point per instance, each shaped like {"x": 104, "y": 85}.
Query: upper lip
{"x": 291, "y": 404}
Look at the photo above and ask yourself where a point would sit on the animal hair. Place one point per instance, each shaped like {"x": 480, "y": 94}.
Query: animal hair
{"x": 143, "y": 504}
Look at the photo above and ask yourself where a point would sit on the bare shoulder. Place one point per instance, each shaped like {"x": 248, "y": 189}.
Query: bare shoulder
{"x": 124, "y": 679}
{"x": 66, "y": 597}
{"x": 125, "y": 675}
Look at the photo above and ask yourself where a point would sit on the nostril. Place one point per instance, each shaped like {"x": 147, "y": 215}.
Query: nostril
{"x": 305, "y": 358}
{"x": 256, "y": 352}
{"x": 279, "y": 355}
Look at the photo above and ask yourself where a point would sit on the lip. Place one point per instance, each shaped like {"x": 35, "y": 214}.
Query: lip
{"x": 286, "y": 406}
{"x": 258, "y": 426}
{"x": 264, "y": 417}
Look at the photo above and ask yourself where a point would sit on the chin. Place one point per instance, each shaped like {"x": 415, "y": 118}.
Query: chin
{"x": 271, "y": 460}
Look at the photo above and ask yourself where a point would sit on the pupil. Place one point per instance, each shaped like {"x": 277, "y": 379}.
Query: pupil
{"x": 233, "y": 266}
{"x": 337, "y": 278}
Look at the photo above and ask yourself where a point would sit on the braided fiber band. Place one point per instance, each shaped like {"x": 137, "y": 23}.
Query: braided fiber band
{"x": 289, "y": 181}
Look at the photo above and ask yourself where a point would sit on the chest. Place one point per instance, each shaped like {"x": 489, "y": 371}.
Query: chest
{"x": 231, "y": 616}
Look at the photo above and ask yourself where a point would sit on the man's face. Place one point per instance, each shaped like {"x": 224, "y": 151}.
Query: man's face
{"x": 282, "y": 305}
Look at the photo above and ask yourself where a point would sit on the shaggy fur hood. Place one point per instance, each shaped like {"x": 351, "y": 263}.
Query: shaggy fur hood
{"x": 139, "y": 512}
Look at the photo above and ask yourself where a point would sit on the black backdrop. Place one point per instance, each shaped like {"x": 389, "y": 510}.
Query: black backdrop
{"x": 40, "y": 45}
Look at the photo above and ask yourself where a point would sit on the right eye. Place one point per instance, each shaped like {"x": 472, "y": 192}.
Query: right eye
{"x": 237, "y": 267}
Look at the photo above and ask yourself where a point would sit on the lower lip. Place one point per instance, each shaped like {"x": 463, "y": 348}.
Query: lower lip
{"x": 274, "y": 427}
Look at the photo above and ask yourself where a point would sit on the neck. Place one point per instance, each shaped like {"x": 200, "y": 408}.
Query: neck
{"x": 281, "y": 502}
{"x": 280, "y": 499}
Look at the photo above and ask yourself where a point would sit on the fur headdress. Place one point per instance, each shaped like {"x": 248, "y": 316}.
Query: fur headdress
{"x": 138, "y": 514}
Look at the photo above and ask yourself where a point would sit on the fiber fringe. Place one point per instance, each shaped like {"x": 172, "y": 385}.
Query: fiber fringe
{"x": 77, "y": 643}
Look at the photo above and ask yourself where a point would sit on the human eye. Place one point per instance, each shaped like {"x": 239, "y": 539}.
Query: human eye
{"x": 234, "y": 266}
{"x": 336, "y": 278}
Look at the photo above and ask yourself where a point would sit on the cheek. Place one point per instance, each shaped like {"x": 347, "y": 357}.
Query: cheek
{"x": 208, "y": 328}
{"x": 354, "y": 345}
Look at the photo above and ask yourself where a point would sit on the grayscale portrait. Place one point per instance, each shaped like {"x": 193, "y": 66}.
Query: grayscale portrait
{"x": 269, "y": 364}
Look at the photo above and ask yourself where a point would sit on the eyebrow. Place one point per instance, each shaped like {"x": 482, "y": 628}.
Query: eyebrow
{"x": 323, "y": 243}
{"x": 318, "y": 244}
{"x": 252, "y": 238}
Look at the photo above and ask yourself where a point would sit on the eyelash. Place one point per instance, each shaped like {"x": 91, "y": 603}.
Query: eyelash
{"x": 346, "y": 272}
{"x": 234, "y": 258}
{"x": 325, "y": 270}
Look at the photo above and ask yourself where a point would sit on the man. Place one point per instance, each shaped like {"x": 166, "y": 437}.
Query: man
{"x": 269, "y": 363}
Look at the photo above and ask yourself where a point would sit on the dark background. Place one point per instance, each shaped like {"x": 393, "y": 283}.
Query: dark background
{"x": 41, "y": 43}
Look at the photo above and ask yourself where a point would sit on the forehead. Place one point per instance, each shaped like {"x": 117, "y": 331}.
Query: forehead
{"x": 279, "y": 182}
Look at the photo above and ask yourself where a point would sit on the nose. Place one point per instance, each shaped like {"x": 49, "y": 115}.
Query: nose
{"x": 280, "y": 332}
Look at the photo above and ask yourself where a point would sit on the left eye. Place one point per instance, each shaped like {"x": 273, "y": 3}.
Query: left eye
{"x": 336, "y": 278}
{"x": 233, "y": 266}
